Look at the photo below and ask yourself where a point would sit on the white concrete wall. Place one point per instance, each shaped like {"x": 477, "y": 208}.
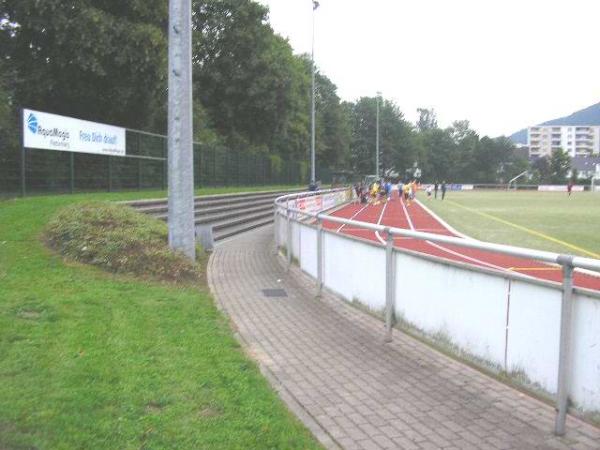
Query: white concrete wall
{"x": 467, "y": 308}
{"x": 355, "y": 270}
{"x": 533, "y": 333}
{"x": 585, "y": 355}
{"x": 308, "y": 250}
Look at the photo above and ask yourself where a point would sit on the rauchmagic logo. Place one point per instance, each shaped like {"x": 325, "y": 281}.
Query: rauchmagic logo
{"x": 36, "y": 128}
{"x": 32, "y": 123}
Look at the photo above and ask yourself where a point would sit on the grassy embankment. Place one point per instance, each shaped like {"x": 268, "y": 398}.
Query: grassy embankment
{"x": 89, "y": 359}
{"x": 540, "y": 220}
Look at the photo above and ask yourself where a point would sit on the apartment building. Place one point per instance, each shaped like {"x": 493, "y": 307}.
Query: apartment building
{"x": 576, "y": 140}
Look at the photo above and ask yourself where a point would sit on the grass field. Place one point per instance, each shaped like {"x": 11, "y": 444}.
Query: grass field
{"x": 540, "y": 220}
{"x": 93, "y": 360}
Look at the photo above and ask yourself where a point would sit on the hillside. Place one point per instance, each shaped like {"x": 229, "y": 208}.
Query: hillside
{"x": 587, "y": 116}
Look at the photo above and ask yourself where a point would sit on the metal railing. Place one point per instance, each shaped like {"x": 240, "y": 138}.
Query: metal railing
{"x": 567, "y": 262}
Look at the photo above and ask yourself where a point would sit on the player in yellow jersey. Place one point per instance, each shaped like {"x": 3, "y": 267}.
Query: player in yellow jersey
{"x": 406, "y": 191}
{"x": 374, "y": 193}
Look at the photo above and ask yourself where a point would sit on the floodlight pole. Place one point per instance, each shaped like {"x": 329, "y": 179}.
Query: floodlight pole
{"x": 312, "y": 109}
{"x": 181, "y": 157}
{"x": 377, "y": 137}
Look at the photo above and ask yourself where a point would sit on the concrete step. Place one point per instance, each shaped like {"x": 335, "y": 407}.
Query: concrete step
{"x": 215, "y": 200}
{"x": 229, "y": 214}
{"x": 233, "y": 222}
{"x": 246, "y": 226}
{"x": 232, "y": 209}
{"x": 246, "y": 212}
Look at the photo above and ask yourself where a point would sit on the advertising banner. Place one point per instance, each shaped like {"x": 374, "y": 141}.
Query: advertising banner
{"x": 53, "y": 132}
{"x": 558, "y": 188}
{"x": 317, "y": 203}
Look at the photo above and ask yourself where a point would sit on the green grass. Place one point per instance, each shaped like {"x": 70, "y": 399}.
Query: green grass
{"x": 573, "y": 220}
{"x": 94, "y": 360}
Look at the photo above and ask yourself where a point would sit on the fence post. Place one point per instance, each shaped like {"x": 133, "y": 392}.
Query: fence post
{"x": 389, "y": 286}
{"x": 319, "y": 256}
{"x": 71, "y": 172}
{"x": 565, "y": 345}
{"x": 289, "y": 238}
{"x": 139, "y": 174}
{"x": 276, "y": 227}
{"x": 23, "y": 188}
{"x": 110, "y": 184}
{"x": 164, "y": 165}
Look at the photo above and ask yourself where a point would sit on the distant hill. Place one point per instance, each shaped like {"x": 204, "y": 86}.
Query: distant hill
{"x": 587, "y": 116}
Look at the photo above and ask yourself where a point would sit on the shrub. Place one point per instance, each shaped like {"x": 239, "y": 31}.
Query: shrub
{"x": 118, "y": 239}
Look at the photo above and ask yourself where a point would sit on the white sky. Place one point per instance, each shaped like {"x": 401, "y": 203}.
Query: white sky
{"x": 501, "y": 64}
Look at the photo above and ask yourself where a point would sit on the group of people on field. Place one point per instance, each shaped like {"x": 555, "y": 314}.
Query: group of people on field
{"x": 381, "y": 191}
{"x": 435, "y": 188}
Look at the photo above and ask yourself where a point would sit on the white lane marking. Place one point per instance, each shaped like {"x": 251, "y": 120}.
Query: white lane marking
{"x": 443, "y": 222}
{"x": 458, "y": 233}
{"x": 353, "y": 216}
{"x": 452, "y": 252}
{"x": 379, "y": 223}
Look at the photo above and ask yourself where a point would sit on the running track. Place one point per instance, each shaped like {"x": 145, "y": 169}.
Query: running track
{"x": 397, "y": 213}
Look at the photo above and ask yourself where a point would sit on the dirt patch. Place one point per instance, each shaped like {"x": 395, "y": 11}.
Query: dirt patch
{"x": 209, "y": 411}
{"x": 154, "y": 408}
{"x": 29, "y": 314}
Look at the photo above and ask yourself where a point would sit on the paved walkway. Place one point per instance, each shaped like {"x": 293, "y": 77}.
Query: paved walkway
{"x": 328, "y": 362}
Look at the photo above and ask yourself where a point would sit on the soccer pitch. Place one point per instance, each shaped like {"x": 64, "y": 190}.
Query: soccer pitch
{"x": 541, "y": 220}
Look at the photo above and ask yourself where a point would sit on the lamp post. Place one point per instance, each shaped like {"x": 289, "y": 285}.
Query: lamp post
{"x": 312, "y": 109}
{"x": 181, "y": 157}
{"x": 377, "y": 137}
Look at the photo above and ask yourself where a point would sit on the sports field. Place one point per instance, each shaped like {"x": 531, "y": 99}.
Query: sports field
{"x": 467, "y": 214}
{"x": 542, "y": 220}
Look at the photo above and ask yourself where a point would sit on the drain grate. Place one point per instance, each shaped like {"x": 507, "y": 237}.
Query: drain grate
{"x": 274, "y": 293}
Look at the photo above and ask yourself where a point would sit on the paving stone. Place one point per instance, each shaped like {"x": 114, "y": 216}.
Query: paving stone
{"x": 329, "y": 363}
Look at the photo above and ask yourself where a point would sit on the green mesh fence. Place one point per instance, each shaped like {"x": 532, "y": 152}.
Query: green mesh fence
{"x": 144, "y": 167}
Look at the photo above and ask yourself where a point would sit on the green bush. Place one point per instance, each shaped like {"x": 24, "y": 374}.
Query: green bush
{"x": 118, "y": 239}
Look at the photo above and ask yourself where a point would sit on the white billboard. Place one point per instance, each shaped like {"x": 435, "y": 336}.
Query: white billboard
{"x": 54, "y": 132}
{"x": 558, "y": 188}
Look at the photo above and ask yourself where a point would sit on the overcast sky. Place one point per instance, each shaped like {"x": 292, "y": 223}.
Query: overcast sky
{"x": 501, "y": 64}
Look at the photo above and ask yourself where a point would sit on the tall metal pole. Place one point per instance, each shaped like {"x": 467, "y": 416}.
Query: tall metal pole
{"x": 377, "y": 138}
{"x": 181, "y": 157}
{"x": 312, "y": 110}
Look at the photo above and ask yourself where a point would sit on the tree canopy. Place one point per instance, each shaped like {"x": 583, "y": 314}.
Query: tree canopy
{"x": 106, "y": 60}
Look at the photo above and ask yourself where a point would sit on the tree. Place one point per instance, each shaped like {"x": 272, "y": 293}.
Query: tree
{"x": 541, "y": 170}
{"x": 98, "y": 60}
{"x": 560, "y": 163}
{"x": 574, "y": 175}
{"x": 332, "y": 124}
{"x": 427, "y": 119}
{"x": 253, "y": 87}
{"x": 438, "y": 155}
{"x": 466, "y": 152}
{"x": 397, "y": 149}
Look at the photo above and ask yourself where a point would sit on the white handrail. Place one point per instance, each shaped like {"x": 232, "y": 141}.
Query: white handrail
{"x": 522, "y": 252}
{"x": 568, "y": 263}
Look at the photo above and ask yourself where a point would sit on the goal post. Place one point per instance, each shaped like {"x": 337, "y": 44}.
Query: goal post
{"x": 514, "y": 181}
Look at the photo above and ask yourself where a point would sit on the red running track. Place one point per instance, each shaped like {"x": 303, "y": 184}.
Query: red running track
{"x": 399, "y": 214}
